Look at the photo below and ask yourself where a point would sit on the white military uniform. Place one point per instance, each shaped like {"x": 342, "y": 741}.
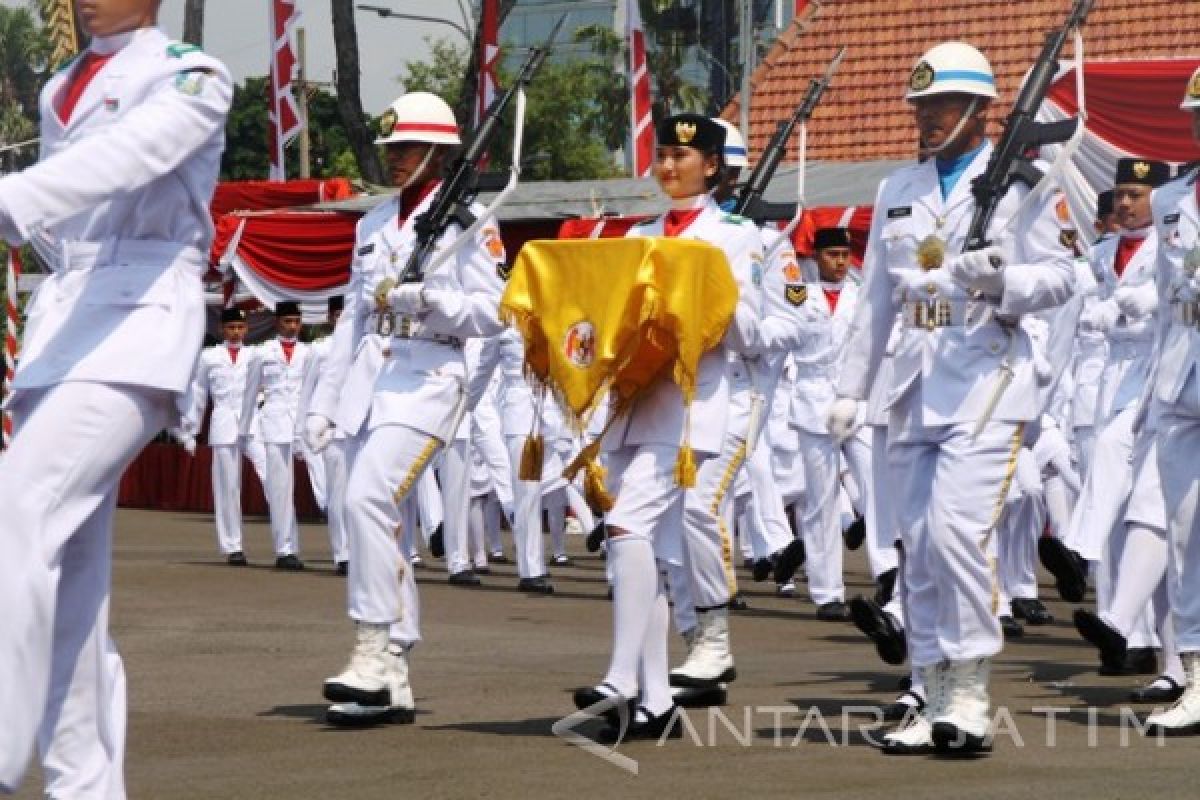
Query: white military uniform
{"x": 119, "y": 205}
{"x": 334, "y": 459}
{"x": 950, "y": 484}
{"x": 650, "y": 507}
{"x": 268, "y": 368}
{"x": 417, "y": 401}
{"x": 220, "y": 377}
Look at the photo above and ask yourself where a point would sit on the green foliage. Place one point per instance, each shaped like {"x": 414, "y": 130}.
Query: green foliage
{"x": 24, "y": 51}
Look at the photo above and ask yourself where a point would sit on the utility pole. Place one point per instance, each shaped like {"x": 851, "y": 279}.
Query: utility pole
{"x": 748, "y": 53}
{"x": 302, "y": 81}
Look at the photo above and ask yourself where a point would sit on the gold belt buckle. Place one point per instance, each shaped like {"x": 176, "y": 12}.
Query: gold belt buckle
{"x": 385, "y": 324}
{"x": 405, "y": 331}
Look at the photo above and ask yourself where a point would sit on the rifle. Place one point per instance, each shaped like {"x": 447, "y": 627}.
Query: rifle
{"x": 452, "y": 203}
{"x": 1009, "y": 162}
{"x": 750, "y": 201}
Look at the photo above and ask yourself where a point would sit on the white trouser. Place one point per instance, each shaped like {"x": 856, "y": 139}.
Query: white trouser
{"x": 1105, "y": 488}
{"x": 819, "y": 523}
{"x": 769, "y": 531}
{"x": 253, "y": 449}
{"x": 1021, "y": 525}
{"x": 880, "y": 514}
{"x": 279, "y": 489}
{"x": 1178, "y": 443}
{"x": 455, "y": 474}
{"x": 386, "y": 468}
{"x": 707, "y": 540}
{"x": 337, "y": 469}
{"x": 227, "y": 496}
{"x": 407, "y": 629}
{"x": 1085, "y": 444}
{"x": 430, "y": 508}
{"x": 856, "y": 456}
{"x": 527, "y": 516}
{"x": 318, "y": 480}
{"x": 61, "y": 680}
{"x": 484, "y": 527}
{"x": 950, "y": 490}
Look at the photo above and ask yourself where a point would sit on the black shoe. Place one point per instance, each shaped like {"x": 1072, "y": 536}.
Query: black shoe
{"x": 880, "y": 628}
{"x": 949, "y": 739}
{"x": 466, "y": 577}
{"x": 1010, "y": 627}
{"x": 353, "y": 715}
{"x": 1137, "y": 661}
{"x": 790, "y": 559}
{"x": 760, "y": 570}
{"x": 538, "y": 585}
{"x": 562, "y": 561}
{"x": 484, "y": 570}
{"x": 1068, "y": 568}
{"x": 588, "y": 696}
{"x": 437, "y": 542}
{"x": 342, "y": 568}
{"x": 1156, "y": 692}
{"x": 645, "y": 725}
{"x": 700, "y": 697}
{"x": 898, "y": 709}
{"x": 1104, "y": 637}
{"x": 833, "y": 611}
{"x": 596, "y": 537}
{"x": 737, "y": 603}
{"x": 854, "y": 535}
{"x": 237, "y": 559}
{"x": 289, "y": 563}
{"x": 1032, "y": 610}
{"x": 885, "y": 587}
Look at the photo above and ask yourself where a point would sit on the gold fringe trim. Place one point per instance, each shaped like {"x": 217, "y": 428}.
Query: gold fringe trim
{"x": 416, "y": 469}
{"x": 533, "y": 456}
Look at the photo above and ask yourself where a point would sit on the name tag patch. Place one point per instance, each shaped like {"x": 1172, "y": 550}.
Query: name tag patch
{"x": 899, "y": 212}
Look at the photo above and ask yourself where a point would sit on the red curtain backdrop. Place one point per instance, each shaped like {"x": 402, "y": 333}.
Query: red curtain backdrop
{"x": 307, "y": 251}
{"x": 1118, "y": 96}
{"x": 265, "y": 195}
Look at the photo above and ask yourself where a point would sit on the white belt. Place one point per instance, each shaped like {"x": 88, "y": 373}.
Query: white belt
{"x": 934, "y": 313}
{"x": 130, "y": 252}
{"x": 1186, "y": 312}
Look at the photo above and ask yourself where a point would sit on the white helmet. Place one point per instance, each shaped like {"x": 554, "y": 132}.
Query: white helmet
{"x": 1191, "y": 97}
{"x": 952, "y": 67}
{"x": 418, "y": 117}
{"x": 734, "y": 152}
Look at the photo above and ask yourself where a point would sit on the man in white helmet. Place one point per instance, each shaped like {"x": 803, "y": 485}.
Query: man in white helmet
{"x": 959, "y": 333}
{"x": 417, "y": 398}
{"x": 1176, "y": 211}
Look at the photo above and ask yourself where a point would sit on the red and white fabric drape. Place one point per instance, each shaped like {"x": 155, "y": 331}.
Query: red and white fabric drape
{"x": 284, "y": 115}
{"x": 12, "y": 323}
{"x": 1133, "y": 111}
{"x": 641, "y": 121}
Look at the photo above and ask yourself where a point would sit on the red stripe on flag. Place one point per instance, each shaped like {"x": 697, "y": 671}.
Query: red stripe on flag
{"x": 641, "y": 128}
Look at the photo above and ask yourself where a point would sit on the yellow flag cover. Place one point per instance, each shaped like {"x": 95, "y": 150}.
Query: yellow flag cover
{"x": 615, "y": 314}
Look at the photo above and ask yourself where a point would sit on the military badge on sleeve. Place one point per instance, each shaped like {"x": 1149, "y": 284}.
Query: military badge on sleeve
{"x": 796, "y": 293}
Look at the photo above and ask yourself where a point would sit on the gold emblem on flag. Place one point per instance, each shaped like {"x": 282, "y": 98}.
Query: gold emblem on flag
{"x": 1193, "y": 89}
{"x": 1140, "y": 170}
{"x": 931, "y": 252}
{"x": 921, "y": 78}
{"x": 685, "y": 132}
{"x": 387, "y": 123}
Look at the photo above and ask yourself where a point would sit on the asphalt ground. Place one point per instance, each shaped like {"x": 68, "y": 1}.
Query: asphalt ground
{"x": 225, "y": 668}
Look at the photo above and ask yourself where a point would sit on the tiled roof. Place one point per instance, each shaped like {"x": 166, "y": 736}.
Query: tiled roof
{"x": 864, "y": 116}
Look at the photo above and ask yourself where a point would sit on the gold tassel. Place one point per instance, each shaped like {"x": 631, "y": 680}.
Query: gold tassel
{"x": 595, "y": 490}
{"x": 533, "y": 455}
{"x": 685, "y": 467}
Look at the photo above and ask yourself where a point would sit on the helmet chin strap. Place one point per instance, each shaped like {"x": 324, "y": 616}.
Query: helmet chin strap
{"x": 926, "y": 152}
{"x": 412, "y": 176}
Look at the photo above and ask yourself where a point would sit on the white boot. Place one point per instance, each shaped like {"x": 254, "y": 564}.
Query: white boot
{"x": 965, "y": 725}
{"x": 1183, "y": 718}
{"x": 916, "y": 736}
{"x": 710, "y": 660}
{"x": 401, "y": 709}
{"x": 367, "y": 679}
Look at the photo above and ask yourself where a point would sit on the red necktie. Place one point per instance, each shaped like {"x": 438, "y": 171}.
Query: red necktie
{"x": 677, "y": 222}
{"x": 410, "y": 199}
{"x": 1125, "y": 250}
{"x": 233, "y": 353}
{"x": 88, "y": 66}
{"x": 832, "y": 296}
{"x": 288, "y": 347}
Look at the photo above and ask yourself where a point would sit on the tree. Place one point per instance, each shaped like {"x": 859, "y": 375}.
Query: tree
{"x": 349, "y": 96}
{"x": 246, "y": 155}
{"x": 193, "y": 22}
{"x": 24, "y": 54}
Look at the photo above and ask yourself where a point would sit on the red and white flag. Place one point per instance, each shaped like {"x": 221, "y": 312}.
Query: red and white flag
{"x": 489, "y": 56}
{"x": 639, "y": 93}
{"x": 284, "y": 115}
{"x": 12, "y": 317}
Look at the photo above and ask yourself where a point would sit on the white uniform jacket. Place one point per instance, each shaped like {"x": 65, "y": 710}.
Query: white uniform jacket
{"x": 218, "y": 377}
{"x": 817, "y": 365}
{"x": 267, "y": 368}
{"x": 118, "y": 206}
{"x": 422, "y": 381}
{"x": 658, "y": 416}
{"x": 1177, "y": 225}
{"x": 1091, "y": 349}
{"x": 950, "y": 373}
{"x": 1130, "y": 342}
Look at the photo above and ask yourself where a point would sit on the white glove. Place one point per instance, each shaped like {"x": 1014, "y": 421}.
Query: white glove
{"x": 188, "y": 443}
{"x": 298, "y": 449}
{"x": 982, "y": 270}
{"x": 318, "y": 432}
{"x": 407, "y": 299}
{"x": 913, "y": 284}
{"x": 445, "y": 302}
{"x": 842, "y": 418}
{"x": 1100, "y": 317}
